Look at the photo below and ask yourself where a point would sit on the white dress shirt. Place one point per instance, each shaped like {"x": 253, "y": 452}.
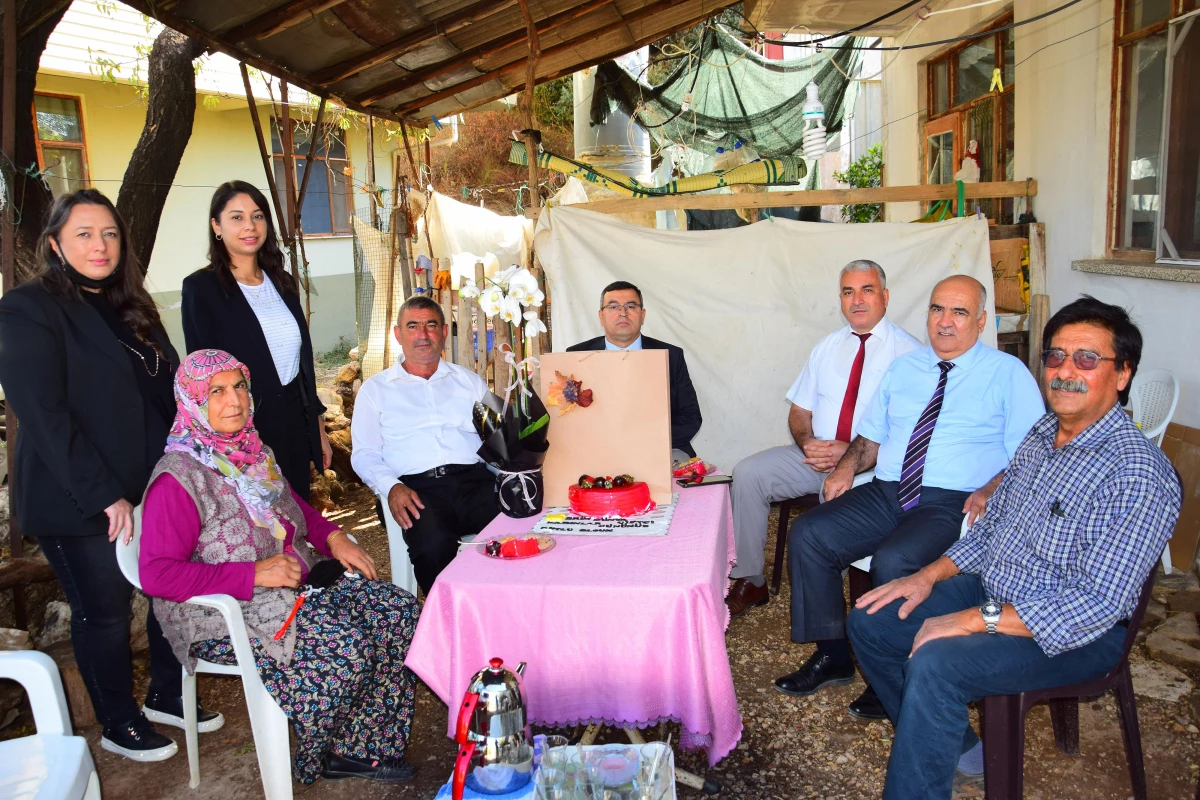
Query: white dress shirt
{"x": 405, "y": 425}
{"x": 636, "y": 344}
{"x": 821, "y": 387}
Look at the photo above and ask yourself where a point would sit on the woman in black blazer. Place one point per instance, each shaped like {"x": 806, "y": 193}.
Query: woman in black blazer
{"x": 246, "y": 304}
{"x": 88, "y": 368}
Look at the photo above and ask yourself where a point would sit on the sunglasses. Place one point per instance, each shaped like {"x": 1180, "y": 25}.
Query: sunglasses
{"x": 1084, "y": 359}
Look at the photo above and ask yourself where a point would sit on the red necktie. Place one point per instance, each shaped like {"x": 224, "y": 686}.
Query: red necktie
{"x": 846, "y": 419}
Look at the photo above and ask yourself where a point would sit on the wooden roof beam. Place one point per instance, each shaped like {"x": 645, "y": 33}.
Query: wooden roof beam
{"x": 474, "y": 54}
{"x": 278, "y": 19}
{"x": 448, "y": 24}
{"x": 513, "y": 66}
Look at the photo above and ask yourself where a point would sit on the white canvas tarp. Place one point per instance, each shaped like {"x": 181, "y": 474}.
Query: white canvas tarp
{"x": 747, "y": 304}
{"x": 467, "y": 234}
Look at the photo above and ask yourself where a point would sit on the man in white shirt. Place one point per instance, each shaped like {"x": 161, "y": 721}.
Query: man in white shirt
{"x": 415, "y": 444}
{"x": 827, "y": 399}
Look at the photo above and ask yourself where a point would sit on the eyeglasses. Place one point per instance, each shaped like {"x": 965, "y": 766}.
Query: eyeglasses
{"x": 628, "y": 308}
{"x": 1084, "y": 359}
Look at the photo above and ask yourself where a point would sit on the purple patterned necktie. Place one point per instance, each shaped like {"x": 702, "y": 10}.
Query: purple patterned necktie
{"x": 909, "y": 493}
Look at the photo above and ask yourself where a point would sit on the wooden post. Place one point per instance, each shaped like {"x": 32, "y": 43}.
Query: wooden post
{"x": 445, "y": 298}
{"x": 408, "y": 149}
{"x": 466, "y": 345}
{"x": 289, "y": 176}
{"x": 264, "y": 154}
{"x": 481, "y": 351}
{"x": 8, "y": 256}
{"x": 526, "y": 106}
{"x": 1039, "y": 298}
{"x": 502, "y": 336}
{"x": 371, "y": 171}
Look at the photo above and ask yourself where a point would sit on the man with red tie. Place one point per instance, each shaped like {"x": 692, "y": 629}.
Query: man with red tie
{"x": 827, "y": 399}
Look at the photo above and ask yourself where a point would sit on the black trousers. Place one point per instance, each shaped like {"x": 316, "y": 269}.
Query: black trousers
{"x": 455, "y": 506}
{"x": 287, "y": 434}
{"x": 100, "y": 597}
{"x": 865, "y": 521}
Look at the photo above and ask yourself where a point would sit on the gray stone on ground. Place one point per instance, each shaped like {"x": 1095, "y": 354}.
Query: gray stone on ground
{"x": 1156, "y": 612}
{"x": 14, "y": 639}
{"x": 1186, "y": 601}
{"x": 1159, "y": 681}
{"x": 1181, "y": 628}
{"x": 1178, "y": 581}
{"x": 57, "y": 625}
{"x": 1163, "y": 648}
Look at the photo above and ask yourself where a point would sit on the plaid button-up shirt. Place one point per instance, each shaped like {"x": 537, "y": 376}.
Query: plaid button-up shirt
{"x": 1071, "y": 534}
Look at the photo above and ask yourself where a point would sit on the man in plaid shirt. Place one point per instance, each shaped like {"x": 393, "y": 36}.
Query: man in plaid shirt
{"x": 1037, "y": 594}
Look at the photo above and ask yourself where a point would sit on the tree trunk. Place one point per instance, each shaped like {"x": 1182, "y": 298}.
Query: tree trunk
{"x": 35, "y": 21}
{"x": 169, "y": 116}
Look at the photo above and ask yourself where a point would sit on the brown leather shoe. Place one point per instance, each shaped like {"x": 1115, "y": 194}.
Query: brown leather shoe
{"x": 744, "y": 594}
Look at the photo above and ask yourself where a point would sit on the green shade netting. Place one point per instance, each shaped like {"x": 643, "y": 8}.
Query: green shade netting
{"x": 735, "y": 93}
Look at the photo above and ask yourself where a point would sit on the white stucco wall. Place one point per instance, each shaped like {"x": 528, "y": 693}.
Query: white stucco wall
{"x": 1064, "y": 97}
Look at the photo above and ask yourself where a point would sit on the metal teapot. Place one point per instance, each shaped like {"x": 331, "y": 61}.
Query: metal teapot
{"x": 495, "y": 753}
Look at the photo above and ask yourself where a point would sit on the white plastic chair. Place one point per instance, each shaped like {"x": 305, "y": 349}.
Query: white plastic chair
{"x": 403, "y": 574}
{"x": 267, "y": 720}
{"x": 1152, "y": 399}
{"x": 53, "y": 764}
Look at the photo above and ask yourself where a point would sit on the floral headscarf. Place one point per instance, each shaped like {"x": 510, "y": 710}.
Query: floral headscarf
{"x": 240, "y": 458}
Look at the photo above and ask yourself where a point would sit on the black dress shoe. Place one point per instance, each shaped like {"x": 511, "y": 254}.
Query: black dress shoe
{"x": 867, "y": 706}
{"x": 817, "y": 672}
{"x": 169, "y": 711}
{"x": 339, "y": 768}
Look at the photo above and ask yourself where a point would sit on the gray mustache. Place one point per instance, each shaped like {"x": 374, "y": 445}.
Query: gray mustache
{"x": 1060, "y": 385}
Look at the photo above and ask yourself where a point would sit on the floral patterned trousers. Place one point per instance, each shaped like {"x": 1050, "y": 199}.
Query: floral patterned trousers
{"x": 347, "y": 689}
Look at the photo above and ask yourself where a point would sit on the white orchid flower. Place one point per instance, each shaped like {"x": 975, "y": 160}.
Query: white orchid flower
{"x": 468, "y": 289}
{"x": 490, "y": 300}
{"x": 533, "y": 325}
{"x": 510, "y": 309}
{"x": 535, "y": 299}
{"x": 502, "y": 277}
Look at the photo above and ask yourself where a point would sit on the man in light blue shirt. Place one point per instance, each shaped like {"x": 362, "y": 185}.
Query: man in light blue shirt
{"x": 939, "y": 433}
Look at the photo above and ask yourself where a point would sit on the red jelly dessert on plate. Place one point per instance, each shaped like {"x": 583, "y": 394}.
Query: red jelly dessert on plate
{"x": 624, "y": 501}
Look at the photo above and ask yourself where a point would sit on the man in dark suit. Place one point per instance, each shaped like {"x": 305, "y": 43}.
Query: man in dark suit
{"x": 621, "y": 316}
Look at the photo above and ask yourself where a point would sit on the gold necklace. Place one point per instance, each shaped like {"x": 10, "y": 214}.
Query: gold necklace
{"x": 157, "y": 363}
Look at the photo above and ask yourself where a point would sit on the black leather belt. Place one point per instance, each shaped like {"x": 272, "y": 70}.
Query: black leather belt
{"x": 445, "y": 470}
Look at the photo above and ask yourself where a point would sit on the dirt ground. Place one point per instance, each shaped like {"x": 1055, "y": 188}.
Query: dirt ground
{"x": 790, "y": 748}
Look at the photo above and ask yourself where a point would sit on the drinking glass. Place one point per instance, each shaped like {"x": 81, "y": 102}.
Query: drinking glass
{"x": 589, "y": 781}
{"x": 548, "y": 783}
{"x": 654, "y": 771}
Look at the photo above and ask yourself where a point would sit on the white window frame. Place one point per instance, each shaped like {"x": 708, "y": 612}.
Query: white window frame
{"x": 1177, "y": 30}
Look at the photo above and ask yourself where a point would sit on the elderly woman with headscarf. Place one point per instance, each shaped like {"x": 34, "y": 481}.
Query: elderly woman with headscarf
{"x": 218, "y": 517}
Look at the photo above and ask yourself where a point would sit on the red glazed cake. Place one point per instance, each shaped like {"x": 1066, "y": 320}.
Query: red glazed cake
{"x": 625, "y": 501}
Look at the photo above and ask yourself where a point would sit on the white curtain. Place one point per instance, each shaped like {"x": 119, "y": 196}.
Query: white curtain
{"x": 747, "y": 304}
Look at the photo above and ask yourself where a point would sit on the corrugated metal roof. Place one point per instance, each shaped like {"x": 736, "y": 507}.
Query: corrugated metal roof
{"x": 413, "y": 58}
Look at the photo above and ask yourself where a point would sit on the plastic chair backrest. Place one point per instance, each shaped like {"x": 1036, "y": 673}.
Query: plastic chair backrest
{"x": 38, "y": 673}
{"x": 127, "y": 554}
{"x": 1153, "y": 398}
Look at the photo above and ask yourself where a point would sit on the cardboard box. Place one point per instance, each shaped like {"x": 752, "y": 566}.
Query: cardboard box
{"x": 626, "y": 429}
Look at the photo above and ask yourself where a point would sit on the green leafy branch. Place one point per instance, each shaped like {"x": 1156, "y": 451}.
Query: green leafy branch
{"x": 864, "y": 173}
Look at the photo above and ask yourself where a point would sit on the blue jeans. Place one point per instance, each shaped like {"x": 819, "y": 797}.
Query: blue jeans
{"x": 926, "y": 696}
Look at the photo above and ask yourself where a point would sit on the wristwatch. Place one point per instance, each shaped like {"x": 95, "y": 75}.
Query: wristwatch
{"x": 991, "y": 614}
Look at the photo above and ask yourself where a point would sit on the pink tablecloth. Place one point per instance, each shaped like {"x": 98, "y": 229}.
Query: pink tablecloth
{"x": 618, "y": 630}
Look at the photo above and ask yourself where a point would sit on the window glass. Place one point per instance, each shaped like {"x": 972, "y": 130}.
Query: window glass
{"x": 973, "y": 72}
{"x": 980, "y": 125}
{"x": 58, "y": 119}
{"x": 941, "y": 87}
{"x": 337, "y": 142}
{"x": 1144, "y": 13}
{"x": 940, "y": 157}
{"x": 1181, "y": 201}
{"x": 276, "y": 142}
{"x": 315, "y": 214}
{"x": 342, "y": 189}
{"x": 1143, "y": 81}
{"x": 63, "y": 169}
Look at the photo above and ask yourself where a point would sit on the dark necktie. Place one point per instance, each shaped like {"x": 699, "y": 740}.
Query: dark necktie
{"x": 846, "y": 418}
{"x": 909, "y": 493}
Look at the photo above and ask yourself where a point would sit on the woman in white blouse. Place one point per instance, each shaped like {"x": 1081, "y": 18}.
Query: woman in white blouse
{"x": 246, "y": 303}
